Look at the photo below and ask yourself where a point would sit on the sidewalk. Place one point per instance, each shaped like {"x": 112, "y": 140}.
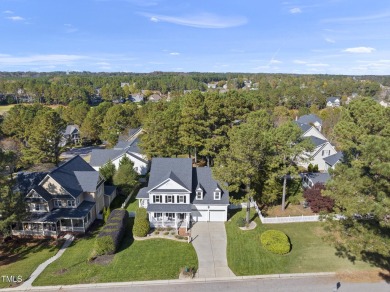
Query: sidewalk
{"x": 169, "y": 282}
{"x": 27, "y": 284}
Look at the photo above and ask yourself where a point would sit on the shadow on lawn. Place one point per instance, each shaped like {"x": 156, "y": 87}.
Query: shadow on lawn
{"x": 128, "y": 239}
{"x": 19, "y": 248}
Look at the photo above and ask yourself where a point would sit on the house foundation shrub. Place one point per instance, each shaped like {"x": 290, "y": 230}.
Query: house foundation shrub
{"x": 275, "y": 241}
{"x": 241, "y": 222}
{"x": 141, "y": 223}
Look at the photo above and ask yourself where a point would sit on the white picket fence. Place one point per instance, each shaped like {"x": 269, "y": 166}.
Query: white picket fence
{"x": 289, "y": 219}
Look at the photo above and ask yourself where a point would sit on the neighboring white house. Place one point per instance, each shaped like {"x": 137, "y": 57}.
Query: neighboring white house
{"x": 311, "y": 119}
{"x": 333, "y": 102}
{"x": 332, "y": 160}
{"x": 99, "y": 157}
{"x": 178, "y": 193}
{"x": 309, "y": 130}
{"x": 322, "y": 149}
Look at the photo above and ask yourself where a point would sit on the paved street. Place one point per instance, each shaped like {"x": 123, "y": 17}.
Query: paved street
{"x": 209, "y": 240}
{"x": 317, "y": 284}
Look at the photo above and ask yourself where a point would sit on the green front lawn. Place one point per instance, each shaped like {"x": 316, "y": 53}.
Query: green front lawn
{"x": 309, "y": 252}
{"x": 133, "y": 204}
{"x": 153, "y": 259}
{"x": 22, "y": 257}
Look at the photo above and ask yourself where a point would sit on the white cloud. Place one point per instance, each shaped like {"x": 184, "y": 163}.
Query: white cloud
{"x": 295, "y": 10}
{"x": 329, "y": 40}
{"x": 70, "y": 28}
{"x": 359, "y": 50}
{"x": 174, "y": 54}
{"x": 15, "y": 18}
{"x": 204, "y": 20}
{"x": 317, "y": 65}
{"x": 378, "y": 16}
{"x": 50, "y": 59}
{"x": 299, "y": 62}
{"x": 273, "y": 61}
{"x": 8, "y": 12}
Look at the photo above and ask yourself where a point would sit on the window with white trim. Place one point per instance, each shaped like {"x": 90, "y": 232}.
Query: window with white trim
{"x": 181, "y": 199}
{"x": 199, "y": 194}
{"x": 217, "y": 194}
{"x": 71, "y": 203}
{"x": 57, "y": 203}
{"x": 169, "y": 199}
{"x": 157, "y": 199}
{"x": 157, "y": 216}
{"x": 325, "y": 152}
{"x": 170, "y": 216}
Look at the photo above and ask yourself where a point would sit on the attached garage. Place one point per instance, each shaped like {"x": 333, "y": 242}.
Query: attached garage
{"x": 214, "y": 214}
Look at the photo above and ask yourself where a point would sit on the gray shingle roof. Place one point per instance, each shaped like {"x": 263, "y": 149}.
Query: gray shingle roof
{"x": 174, "y": 168}
{"x": 56, "y": 214}
{"x": 43, "y": 193}
{"x": 332, "y": 99}
{"x": 304, "y": 127}
{"x": 333, "y": 159}
{"x": 66, "y": 177}
{"x": 109, "y": 190}
{"x": 317, "y": 141}
{"x": 318, "y": 177}
{"x": 71, "y": 129}
{"x": 185, "y": 208}
{"x": 309, "y": 119}
{"x": 143, "y": 193}
{"x": 99, "y": 157}
{"x": 122, "y": 145}
{"x": 203, "y": 176}
{"x": 88, "y": 180}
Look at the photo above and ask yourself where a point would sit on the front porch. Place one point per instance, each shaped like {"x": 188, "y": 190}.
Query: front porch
{"x": 52, "y": 228}
{"x": 174, "y": 220}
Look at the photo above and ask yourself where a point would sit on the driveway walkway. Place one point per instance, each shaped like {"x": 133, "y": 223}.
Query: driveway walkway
{"x": 69, "y": 238}
{"x": 209, "y": 240}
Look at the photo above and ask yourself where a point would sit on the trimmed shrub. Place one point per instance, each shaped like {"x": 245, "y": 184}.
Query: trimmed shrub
{"x": 104, "y": 245}
{"x": 141, "y": 223}
{"x": 111, "y": 235}
{"x": 275, "y": 241}
{"x": 241, "y": 222}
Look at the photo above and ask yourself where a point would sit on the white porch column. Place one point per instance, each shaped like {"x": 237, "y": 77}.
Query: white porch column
{"x": 71, "y": 223}
{"x": 43, "y": 231}
{"x": 176, "y": 214}
{"x": 162, "y": 219}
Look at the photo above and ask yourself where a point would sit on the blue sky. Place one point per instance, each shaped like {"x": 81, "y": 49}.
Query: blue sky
{"x": 256, "y": 36}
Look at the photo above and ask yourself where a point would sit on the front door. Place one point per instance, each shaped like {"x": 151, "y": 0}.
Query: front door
{"x": 181, "y": 216}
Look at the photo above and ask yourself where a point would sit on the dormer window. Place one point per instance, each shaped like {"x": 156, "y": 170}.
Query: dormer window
{"x": 217, "y": 194}
{"x": 199, "y": 194}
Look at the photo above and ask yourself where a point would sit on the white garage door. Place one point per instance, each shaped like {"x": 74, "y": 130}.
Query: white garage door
{"x": 217, "y": 215}
{"x": 200, "y": 215}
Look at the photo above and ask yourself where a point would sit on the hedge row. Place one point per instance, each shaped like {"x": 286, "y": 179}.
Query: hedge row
{"x": 110, "y": 237}
{"x": 141, "y": 223}
{"x": 275, "y": 241}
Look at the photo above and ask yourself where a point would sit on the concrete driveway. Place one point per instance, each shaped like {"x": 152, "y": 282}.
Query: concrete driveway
{"x": 209, "y": 240}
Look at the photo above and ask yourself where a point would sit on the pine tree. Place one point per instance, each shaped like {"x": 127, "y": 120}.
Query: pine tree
{"x": 46, "y": 134}
{"x": 108, "y": 171}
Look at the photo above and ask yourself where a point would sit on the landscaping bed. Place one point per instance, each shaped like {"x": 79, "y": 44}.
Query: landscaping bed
{"x": 309, "y": 253}
{"x": 156, "y": 259}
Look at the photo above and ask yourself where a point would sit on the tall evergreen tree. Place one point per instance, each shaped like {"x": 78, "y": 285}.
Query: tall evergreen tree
{"x": 193, "y": 127}
{"x": 46, "y": 133}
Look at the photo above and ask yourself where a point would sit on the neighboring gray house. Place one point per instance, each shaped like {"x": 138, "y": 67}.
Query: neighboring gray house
{"x": 310, "y": 130}
{"x": 178, "y": 193}
{"x": 99, "y": 157}
{"x": 68, "y": 199}
{"x": 70, "y": 135}
{"x": 332, "y": 160}
{"x": 310, "y": 179}
{"x": 311, "y": 119}
{"x": 333, "y": 101}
